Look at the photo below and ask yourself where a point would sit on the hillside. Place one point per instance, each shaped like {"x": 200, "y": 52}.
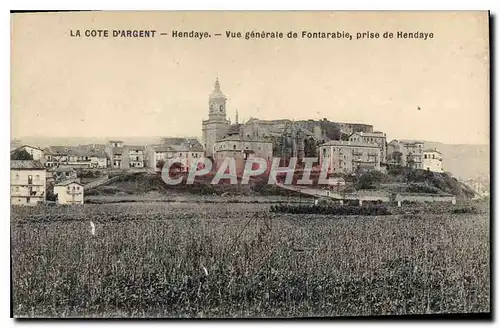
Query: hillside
{"x": 464, "y": 161}
{"x": 140, "y": 183}
{"x": 398, "y": 180}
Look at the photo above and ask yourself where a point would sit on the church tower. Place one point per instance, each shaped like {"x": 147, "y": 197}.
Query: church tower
{"x": 217, "y": 124}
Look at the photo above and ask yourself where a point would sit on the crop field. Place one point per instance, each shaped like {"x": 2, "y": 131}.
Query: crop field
{"x": 241, "y": 260}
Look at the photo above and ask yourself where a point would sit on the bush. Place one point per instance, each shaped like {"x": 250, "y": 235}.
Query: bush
{"x": 465, "y": 210}
{"x": 331, "y": 209}
{"x": 369, "y": 180}
{"x": 418, "y": 188}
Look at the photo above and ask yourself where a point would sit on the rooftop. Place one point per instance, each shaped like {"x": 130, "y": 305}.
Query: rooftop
{"x": 237, "y": 137}
{"x": 408, "y": 141}
{"x": 138, "y": 148}
{"x": 23, "y": 146}
{"x": 68, "y": 182}
{"x": 348, "y": 144}
{"x": 376, "y": 134}
{"x": 181, "y": 144}
{"x": 217, "y": 93}
{"x": 430, "y": 150}
{"x": 26, "y": 165}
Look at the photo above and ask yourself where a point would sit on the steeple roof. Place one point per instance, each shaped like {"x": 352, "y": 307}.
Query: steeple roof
{"x": 217, "y": 93}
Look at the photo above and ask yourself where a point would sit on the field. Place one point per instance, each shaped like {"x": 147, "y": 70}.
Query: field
{"x": 240, "y": 260}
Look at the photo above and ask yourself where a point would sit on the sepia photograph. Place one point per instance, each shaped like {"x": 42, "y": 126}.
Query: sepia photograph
{"x": 250, "y": 164}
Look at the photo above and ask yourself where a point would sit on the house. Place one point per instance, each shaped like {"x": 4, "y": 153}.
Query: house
{"x": 55, "y": 155}
{"x": 82, "y": 157}
{"x": 98, "y": 160}
{"x": 69, "y": 192}
{"x": 64, "y": 173}
{"x": 134, "y": 156}
{"x": 185, "y": 150}
{"x": 433, "y": 160}
{"x": 377, "y": 138}
{"x": 115, "y": 153}
{"x": 349, "y": 157}
{"x": 406, "y": 153}
{"x": 27, "y": 182}
{"x": 35, "y": 152}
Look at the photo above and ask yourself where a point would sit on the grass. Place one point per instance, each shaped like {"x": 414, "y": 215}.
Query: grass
{"x": 150, "y": 260}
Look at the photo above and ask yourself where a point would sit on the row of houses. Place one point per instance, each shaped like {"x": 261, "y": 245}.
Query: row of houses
{"x": 350, "y": 156}
{"x": 361, "y": 150}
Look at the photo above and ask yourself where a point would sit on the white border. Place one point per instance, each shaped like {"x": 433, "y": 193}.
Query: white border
{"x": 178, "y": 5}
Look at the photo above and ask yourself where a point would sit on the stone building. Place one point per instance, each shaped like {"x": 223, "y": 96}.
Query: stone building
{"x": 289, "y": 138}
{"x": 123, "y": 156}
{"x": 186, "y": 150}
{"x": 406, "y": 153}
{"x": 241, "y": 147}
{"x": 348, "y": 157}
{"x": 377, "y": 138}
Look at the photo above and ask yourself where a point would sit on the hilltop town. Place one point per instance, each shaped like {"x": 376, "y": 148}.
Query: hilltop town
{"x": 40, "y": 173}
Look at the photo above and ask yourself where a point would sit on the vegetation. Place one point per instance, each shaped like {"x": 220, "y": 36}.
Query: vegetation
{"x": 466, "y": 210}
{"x": 20, "y": 154}
{"x": 221, "y": 260}
{"x": 330, "y": 130}
{"x": 331, "y": 209}
{"x": 369, "y": 180}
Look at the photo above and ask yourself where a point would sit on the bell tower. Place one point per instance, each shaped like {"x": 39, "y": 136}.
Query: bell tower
{"x": 217, "y": 124}
{"x": 217, "y": 102}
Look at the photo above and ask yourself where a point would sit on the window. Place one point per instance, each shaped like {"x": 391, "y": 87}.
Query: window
{"x": 69, "y": 189}
{"x": 234, "y": 147}
{"x": 17, "y": 188}
{"x": 77, "y": 188}
{"x": 17, "y": 176}
{"x": 73, "y": 188}
{"x": 37, "y": 177}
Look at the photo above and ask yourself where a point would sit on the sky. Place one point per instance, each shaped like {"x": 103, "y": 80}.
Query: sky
{"x": 65, "y": 86}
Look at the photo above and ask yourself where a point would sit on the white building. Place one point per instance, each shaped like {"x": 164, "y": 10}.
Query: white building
{"x": 433, "y": 160}
{"x": 27, "y": 182}
{"x": 98, "y": 161}
{"x": 69, "y": 192}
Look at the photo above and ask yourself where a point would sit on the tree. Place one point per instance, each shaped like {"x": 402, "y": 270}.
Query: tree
{"x": 20, "y": 155}
{"x": 160, "y": 163}
{"x": 310, "y": 147}
{"x": 397, "y": 156}
{"x": 344, "y": 137}
{"x": 331, "y": 130}
{"x": 369, "y": 180}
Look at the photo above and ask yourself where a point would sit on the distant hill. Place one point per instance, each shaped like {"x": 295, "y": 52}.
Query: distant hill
{"x": 75, "y": 141}
{"x": 464, "y": 161}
